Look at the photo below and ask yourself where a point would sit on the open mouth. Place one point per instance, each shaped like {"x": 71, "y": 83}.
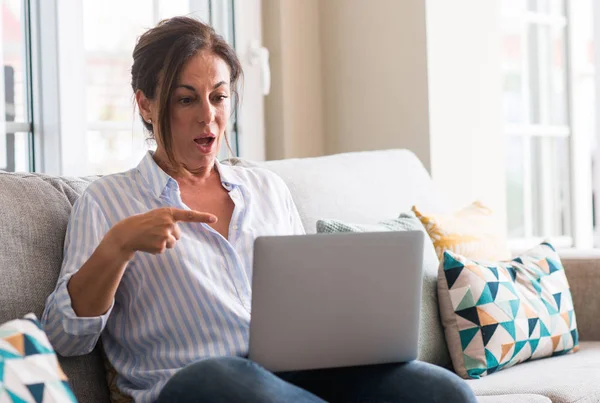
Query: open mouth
{"x": 205, "y": 141}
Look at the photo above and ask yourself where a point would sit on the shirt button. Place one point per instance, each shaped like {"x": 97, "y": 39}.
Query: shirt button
{"x": 235, "y": 227}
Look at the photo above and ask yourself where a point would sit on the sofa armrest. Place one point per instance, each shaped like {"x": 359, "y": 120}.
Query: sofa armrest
{"x": 583, "y": 272}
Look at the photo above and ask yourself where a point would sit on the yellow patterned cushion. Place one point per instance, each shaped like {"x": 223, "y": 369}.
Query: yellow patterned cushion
{"x": 473, "y": 232}
{"x": 116, "y": 396}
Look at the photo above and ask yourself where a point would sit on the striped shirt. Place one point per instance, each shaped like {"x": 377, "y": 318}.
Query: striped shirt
{"x": 192, "y": 301}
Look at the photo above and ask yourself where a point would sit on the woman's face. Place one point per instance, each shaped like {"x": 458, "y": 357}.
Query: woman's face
{"x": 200, "y": 107}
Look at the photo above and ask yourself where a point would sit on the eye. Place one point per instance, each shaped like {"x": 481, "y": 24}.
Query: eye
{"x": 220, "y": 98}
{"x": 185, "y": 100}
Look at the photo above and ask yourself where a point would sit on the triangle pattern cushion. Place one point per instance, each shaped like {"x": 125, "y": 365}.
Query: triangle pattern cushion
{"x": 37, "y": 391}
{"x": 467, "y": 301}
{"x": 467, "y": 335}
{"x": 507, "y": 312}
{"x": 28, "y": 365}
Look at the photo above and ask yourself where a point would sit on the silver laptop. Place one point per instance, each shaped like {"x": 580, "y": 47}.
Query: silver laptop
{"x": 336, "y": 300}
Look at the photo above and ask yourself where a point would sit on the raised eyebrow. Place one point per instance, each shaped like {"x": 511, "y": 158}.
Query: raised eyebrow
{"x": 186, "y": 86}
{"x": 191, "y": 88}
{"x": 220, "y": 83}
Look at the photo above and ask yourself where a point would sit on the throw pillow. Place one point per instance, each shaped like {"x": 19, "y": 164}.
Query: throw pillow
{"x": 29, "y": 368}
{"x": 498, "y": 315}
{"x": 115, "y": 394}
{"x": 432, "y": 346}
{"x": 473, "y": 232}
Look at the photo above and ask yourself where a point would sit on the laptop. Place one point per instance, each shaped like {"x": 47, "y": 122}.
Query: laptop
{"x": 336, "y": 300}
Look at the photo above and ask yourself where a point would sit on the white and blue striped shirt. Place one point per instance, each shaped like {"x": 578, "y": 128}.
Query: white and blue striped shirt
{"x": 192, "y": 301}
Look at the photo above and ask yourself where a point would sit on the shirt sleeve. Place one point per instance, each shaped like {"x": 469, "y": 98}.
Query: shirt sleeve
{"x": 295, "y": 220}
{"x": 296, "y": 226}
{"x": 70, "y": 334}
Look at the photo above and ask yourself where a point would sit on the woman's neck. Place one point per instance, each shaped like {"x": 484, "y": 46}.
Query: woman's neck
{"x": 185, "y": 175}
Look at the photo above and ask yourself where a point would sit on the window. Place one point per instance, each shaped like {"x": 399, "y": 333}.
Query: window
{"x": 66, "y": 77}
{"x": 536, "y": 114}
{"x": 15, "y": 106}
{"x": 115, "y": 137}
{"x": 548, "y": 96}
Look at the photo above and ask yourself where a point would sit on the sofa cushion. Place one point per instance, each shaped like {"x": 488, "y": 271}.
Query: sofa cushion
{"x": 29, "y": 368}
{"x": 513, "y": 399}
{"x": 366, "y": 186}
{"x": 497, "y": 315}
{"x": 473, "y": 231}
{"x": 565, "y": 379}
{"x": 34, "y": 211}
{"x": 432, "y": 345}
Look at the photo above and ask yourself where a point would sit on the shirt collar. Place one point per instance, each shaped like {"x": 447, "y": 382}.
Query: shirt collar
{"x": 228, "y": 176}
{"x": 158, "y": 180}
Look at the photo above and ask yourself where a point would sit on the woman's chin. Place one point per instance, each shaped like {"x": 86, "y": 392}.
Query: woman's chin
{"x": 207, "y": 149}
{"x": 204, "y": 157}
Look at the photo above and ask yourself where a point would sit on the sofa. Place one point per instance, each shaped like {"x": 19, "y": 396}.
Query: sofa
{"x": 362, "y": 187}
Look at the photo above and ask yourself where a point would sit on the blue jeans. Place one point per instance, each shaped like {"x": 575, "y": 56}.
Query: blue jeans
{"x": 233, "y": 380}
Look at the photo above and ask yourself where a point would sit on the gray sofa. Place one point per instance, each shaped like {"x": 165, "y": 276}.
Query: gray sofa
{"x": 356, "y": 187}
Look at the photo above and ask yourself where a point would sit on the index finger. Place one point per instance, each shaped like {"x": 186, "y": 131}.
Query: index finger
{"x": 192, "y": 216}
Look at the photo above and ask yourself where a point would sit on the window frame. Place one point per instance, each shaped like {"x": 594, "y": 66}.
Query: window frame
{"x": 13, "y": 128}
{"x": 581, "y": 160}
{"x": 58, "y": 109}
{"x": 580, "y": 231}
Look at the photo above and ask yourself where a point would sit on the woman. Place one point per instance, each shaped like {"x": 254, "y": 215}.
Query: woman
{"x": 158, "y": 259}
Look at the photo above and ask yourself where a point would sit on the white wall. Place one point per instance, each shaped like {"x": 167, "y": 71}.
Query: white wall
{"x": 582, "y": 113}
{"x": 375, "y": 75}
{"x": 294, "y": 109}
{"x": 74, "y": 157}
{"x": 248, "y": 30}
{"x": 465, "y": 109}
{"x": 421, "y": 75}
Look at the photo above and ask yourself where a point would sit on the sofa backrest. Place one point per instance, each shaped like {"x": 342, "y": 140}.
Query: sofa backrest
{"x": 362, "y": 187}
{"x": 366, "y": 187}
{"x": 34, "y": 211}
{"x": 35, "y": 208}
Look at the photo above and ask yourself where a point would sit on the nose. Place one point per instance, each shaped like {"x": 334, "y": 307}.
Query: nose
{"x": 206, "y": 114}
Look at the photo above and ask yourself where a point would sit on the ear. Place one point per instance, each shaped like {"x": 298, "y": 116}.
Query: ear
{"x": 145, "y": 105}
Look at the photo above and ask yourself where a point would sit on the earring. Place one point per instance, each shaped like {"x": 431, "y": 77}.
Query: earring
{"x": 149, "y": 121}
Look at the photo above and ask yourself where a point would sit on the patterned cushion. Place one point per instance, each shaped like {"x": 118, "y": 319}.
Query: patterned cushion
{"x": 29, "y": 369}
{"x": 116, "y": 396}
{"x": 432, "y": 346}
{"x": 498, "y": 315}
{"x": 473, "y": 232}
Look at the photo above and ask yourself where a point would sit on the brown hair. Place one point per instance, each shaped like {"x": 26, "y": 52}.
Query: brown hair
{"x": 158, "y": 59}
